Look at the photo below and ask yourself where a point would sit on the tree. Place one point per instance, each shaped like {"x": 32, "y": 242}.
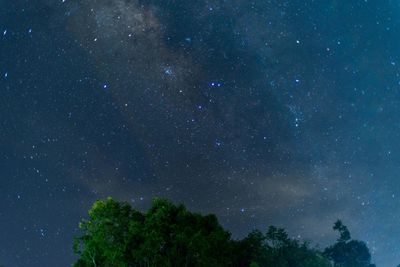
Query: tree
{"x": 167, "y": 235}
{"x": 109, "y": 234}
{"x": 344, "y": 234}
{"x": 275, "y": 248}
{"x": 286, "y": 252}
{"x": 347, "y": 252}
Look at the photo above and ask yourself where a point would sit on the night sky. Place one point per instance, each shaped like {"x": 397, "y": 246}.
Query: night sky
{"x": 262, "y": 112}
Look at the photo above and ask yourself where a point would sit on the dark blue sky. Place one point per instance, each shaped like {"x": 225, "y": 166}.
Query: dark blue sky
{"x": 263, "y": 112}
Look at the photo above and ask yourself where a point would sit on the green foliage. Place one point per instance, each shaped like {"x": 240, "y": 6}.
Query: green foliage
{"x": 109, "y": 234}
{"x": 168, "y": 235}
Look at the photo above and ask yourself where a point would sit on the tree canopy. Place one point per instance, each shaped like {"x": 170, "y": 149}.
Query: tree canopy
{"x": 347, "y": 252}
{"x": 169, "y": 235}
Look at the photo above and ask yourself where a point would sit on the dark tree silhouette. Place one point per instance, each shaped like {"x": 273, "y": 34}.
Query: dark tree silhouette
{"x": 347, "y": 252}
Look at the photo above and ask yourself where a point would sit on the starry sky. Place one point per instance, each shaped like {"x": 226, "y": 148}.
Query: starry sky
{"x": 262, "y": 112}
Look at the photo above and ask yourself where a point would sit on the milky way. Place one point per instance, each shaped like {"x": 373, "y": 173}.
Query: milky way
{"x": 262, "y": 112}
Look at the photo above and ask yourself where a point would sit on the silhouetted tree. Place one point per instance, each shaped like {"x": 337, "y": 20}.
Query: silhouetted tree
{"x": 286, "y": 252}
{"x": 276, "y": 249}
{"x": 347, "y": 252}
{"x": 344, "y": 234}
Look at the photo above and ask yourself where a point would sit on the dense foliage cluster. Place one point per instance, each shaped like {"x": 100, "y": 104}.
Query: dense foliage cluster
{"x": 170, "y": 236}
